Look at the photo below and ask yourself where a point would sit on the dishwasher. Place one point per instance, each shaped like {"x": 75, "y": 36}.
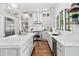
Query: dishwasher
{"x": 54, "y": 47}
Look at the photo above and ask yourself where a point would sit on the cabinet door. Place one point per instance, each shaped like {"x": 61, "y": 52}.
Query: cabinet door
{"x": 50, "y": 41}
{"x": 27, "y": 48}
{"x": 60, "y": 49}
{"x": 0, "y": 52}
{"x": 12, "y": 52}
{"x": 8, "y": 52}
{"x": 3, "y": 52}
{"x": 46, "y": 36}
{"x": 43, "y": 35}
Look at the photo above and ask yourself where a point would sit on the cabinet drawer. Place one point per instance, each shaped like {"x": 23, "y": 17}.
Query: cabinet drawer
{"x": 12, "y": 52}
{"x": 26, "y": 47}
{"x": 9, "y": 52}
{"x": 60, "y": 49}
{"x": 60, "y": 53}
{"x": 27, "y": 44}
{"x": 27, "y": 51}
{"x": 59, "y": 45}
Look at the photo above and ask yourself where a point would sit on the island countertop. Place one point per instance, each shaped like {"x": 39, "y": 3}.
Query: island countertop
{"x": 67, "y": 38}
{"x": 15, "y": 41}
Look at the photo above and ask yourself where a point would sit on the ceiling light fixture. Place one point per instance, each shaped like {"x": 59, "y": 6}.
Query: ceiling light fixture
{"x": 13, "y": 6}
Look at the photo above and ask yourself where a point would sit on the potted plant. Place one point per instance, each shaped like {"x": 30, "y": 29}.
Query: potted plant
{"x": 75, "y": 18}
{"x": 74, "y": 15}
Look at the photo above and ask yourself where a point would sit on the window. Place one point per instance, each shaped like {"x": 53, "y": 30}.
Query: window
{"x": 68, "y": 21}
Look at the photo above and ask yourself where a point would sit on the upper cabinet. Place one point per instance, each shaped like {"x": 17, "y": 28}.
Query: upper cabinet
{"x": 24, "y": 24}
{"x": 68, "y": 17}
{"x": 74, "y": 13}
{"x": 74, "y": 7}
{"x": 63, "y": 21}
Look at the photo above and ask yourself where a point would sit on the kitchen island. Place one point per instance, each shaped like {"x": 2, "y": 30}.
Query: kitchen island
{"x": 17, "y": 45}
{"x": 67, "y": 44}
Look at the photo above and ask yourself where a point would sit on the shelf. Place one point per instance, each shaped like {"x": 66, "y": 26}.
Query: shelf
{"x": 74, "y": 9}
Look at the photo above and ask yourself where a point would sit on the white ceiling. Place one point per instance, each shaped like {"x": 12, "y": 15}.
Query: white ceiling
{"x": 36, "y": 5}
{"x": 24, "y": 7}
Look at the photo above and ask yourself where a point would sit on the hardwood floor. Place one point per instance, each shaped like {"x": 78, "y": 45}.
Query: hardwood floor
{"x": 41, "y": 49}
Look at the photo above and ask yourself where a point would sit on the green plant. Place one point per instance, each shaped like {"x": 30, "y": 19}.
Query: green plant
{"x": 74, "y": 15}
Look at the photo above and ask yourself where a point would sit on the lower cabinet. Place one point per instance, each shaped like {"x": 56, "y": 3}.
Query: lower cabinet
{"x": 60, "y": 49}
{"x": 67, "y": 50}
{"x": 8, "y": 51}
{"x": 46, "y": 36}
{"x": 24, "y": 50}
{"x": 57, "y": 48}
{"x": 27, "y": 49}
{"x": 49, "y": 39}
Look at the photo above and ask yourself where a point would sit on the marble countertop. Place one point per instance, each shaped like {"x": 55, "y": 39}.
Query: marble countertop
{"x": 15, "y": 41}
{"x": 67, "y": 38}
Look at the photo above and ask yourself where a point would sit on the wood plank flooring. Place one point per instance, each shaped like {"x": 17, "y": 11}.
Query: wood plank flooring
{"x": 41, "y": 49}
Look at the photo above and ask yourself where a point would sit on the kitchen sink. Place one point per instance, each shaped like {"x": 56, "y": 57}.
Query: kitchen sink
{"x": 55, "y": 34}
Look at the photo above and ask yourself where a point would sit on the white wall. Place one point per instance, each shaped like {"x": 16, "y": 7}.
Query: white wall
{"x": 61, "y": 6}
{"x": 54, "y": 12}
{"x": 52, "y": 17}
{"x": 47, "y": 21}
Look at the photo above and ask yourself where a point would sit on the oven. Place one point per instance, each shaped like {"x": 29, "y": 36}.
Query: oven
{"x": 37, "y": 35}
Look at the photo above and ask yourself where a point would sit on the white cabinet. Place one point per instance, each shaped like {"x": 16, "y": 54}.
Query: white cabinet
{"x": 43, "y": 35}
{"x": 17, "y": 45}
{"x": 60, "y": 49}
{"x": 46, "y": 36}
{"x": 24, "y": 27}
{"x": 26, "y": 50}
{"x": 49, "y": 39}
{"x": 8, "y": 51}
{"x": 64, "y": 47}
{"x": 67, "y": 50}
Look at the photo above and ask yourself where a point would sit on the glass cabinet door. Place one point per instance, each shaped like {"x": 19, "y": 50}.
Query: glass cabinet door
{"x": 57, "y": 23}
{"x": 68, "y": 21}
{"x": 61, "y": 20}
{"x": 24, "y": 26}
{"x": 65, "y": 22}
